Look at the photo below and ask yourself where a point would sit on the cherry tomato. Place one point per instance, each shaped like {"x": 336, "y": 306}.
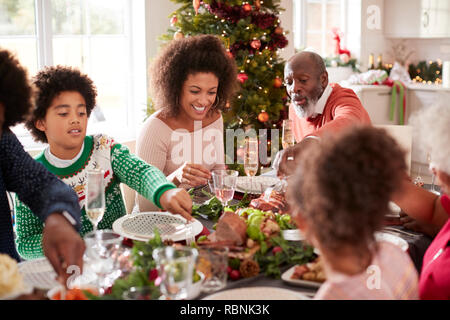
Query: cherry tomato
{"x": 229, "y": 269}
{"x": 235, "y": 274}
{"x": 276, "y": 249}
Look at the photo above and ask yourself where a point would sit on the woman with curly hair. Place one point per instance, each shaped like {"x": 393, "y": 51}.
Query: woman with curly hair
{"x": 340, "y": 195}
{"x": 51, "y": 201}
{"x": 64, "y": 101}
{"x": 432, "y": 131}
{"x": 192, "y": 80}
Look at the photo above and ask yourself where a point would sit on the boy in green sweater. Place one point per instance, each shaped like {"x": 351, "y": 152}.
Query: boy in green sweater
{"x": 64, "y": 103}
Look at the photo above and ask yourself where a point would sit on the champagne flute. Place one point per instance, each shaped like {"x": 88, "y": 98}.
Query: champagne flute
{"x": 95, "y": 197}
{"x": 224, "y": 184}
{"x": 251, "y": 158}
{"x": 287, "y": 137}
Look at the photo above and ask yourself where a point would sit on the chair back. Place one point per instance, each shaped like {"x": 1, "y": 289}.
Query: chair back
{"x": 403, "y": 136}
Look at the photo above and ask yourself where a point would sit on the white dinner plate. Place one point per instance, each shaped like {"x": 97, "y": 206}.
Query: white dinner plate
{"x": 286, "y": 276}
{"x": 395, "y": 210}
{"x": 257, "y": 293}
{"x": 293, "y": 235}
{"x": 140, "y": 226}
{"x": 254, "y": 185}
{"x": 388, "y": 237}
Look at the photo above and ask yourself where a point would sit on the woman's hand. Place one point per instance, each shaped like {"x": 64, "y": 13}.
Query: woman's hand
{"x": 194, "y": 175}
{"x": 177, "y": 201}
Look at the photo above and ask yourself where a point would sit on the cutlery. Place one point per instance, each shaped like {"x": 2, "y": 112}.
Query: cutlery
{"x": 400, "y": 232}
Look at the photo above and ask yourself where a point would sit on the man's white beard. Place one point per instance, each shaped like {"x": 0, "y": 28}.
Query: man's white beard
{"x": 305, "y": 111}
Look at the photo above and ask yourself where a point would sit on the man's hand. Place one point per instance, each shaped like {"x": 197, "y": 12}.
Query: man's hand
{"x": 177, "y": 201}
{"x": 62, "y": 245}
{"x": 291, "y": 157}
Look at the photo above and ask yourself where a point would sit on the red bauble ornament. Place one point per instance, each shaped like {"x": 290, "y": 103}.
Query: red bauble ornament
{"x": 278, "y": 30}
{"x": 196, "y": 5}
{"x": 242, "y": 77}
{"x": 255, "y": 44}
{"x": 263, "y": 116}
{"x": 230, "y": 54}
{"x": 277, "y": 82}
{"x": 173, "y": 20}
{"x": 247, "y": 7}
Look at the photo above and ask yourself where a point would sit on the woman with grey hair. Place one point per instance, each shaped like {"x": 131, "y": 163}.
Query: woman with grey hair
{"x": 432, "y": 128}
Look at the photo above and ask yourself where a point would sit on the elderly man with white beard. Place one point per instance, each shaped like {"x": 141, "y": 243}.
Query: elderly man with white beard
{"x": 317, "y": 107}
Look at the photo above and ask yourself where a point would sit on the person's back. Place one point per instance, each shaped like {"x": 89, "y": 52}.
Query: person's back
{"x": 381, "y": 281}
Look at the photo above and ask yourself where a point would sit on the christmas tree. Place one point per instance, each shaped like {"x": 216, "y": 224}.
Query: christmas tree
{"x": 251, "y": 32}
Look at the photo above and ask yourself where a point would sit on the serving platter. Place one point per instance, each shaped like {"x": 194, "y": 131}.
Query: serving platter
{"x": 286, "y": 277}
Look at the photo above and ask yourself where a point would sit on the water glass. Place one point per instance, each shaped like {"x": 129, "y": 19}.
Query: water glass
{"x": 176, "y": 268}
{"x": 103, "y": 252}
{"x": 95, "y": 197}
{"x": 224, "y": 184}
{"x": 213, "y": 263}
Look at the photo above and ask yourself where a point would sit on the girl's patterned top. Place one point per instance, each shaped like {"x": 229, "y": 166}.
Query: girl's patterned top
{"x": 119, "y": 166}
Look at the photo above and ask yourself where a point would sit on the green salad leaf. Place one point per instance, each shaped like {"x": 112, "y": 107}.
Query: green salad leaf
{"x": 292, "y": 253}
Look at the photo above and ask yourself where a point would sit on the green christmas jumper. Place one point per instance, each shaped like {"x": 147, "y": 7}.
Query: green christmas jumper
{"x": 119, "y": 165}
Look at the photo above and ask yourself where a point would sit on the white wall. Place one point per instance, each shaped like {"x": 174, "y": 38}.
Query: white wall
{"x": 287, "y": 23}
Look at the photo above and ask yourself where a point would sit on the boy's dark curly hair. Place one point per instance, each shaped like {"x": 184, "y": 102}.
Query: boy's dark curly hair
{"x": 50, "y": 82}
{"x": 343, "y": 185}
{"x": 15, "y": 90}
{"x": 178, "y": 59}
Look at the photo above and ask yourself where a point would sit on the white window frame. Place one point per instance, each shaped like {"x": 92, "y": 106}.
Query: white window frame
{"x": 134, "y": 30}
{"x": 300, "y": 23}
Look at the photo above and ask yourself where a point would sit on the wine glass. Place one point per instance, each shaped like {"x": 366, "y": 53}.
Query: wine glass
{"x": 287, "y": 137}
{"x": 95, "y": 197}
{"x": 103, "y": 254}
{"x": 224, "y": 184}
{"x": 251, "y": 158}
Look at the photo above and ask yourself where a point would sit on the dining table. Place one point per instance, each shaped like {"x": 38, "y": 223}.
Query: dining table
{"x": 417, "y": 245}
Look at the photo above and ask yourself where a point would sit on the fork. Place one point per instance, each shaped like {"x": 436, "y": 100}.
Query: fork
{"x": 401, "y": 232}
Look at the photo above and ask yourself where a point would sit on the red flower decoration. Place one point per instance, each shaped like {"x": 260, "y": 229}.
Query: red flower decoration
{"x": 153, "y": 274}
{"x": 242, "y": 77}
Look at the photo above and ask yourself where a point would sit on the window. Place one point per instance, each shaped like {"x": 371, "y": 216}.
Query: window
{"x": 103, "y": 38}
{"x": 314, "y": 21}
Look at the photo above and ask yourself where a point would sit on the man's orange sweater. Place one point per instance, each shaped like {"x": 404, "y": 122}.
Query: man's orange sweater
{"x": 341, "y": 110}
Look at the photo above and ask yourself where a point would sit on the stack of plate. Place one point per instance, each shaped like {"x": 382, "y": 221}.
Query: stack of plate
{"x": 255, "y": 185}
